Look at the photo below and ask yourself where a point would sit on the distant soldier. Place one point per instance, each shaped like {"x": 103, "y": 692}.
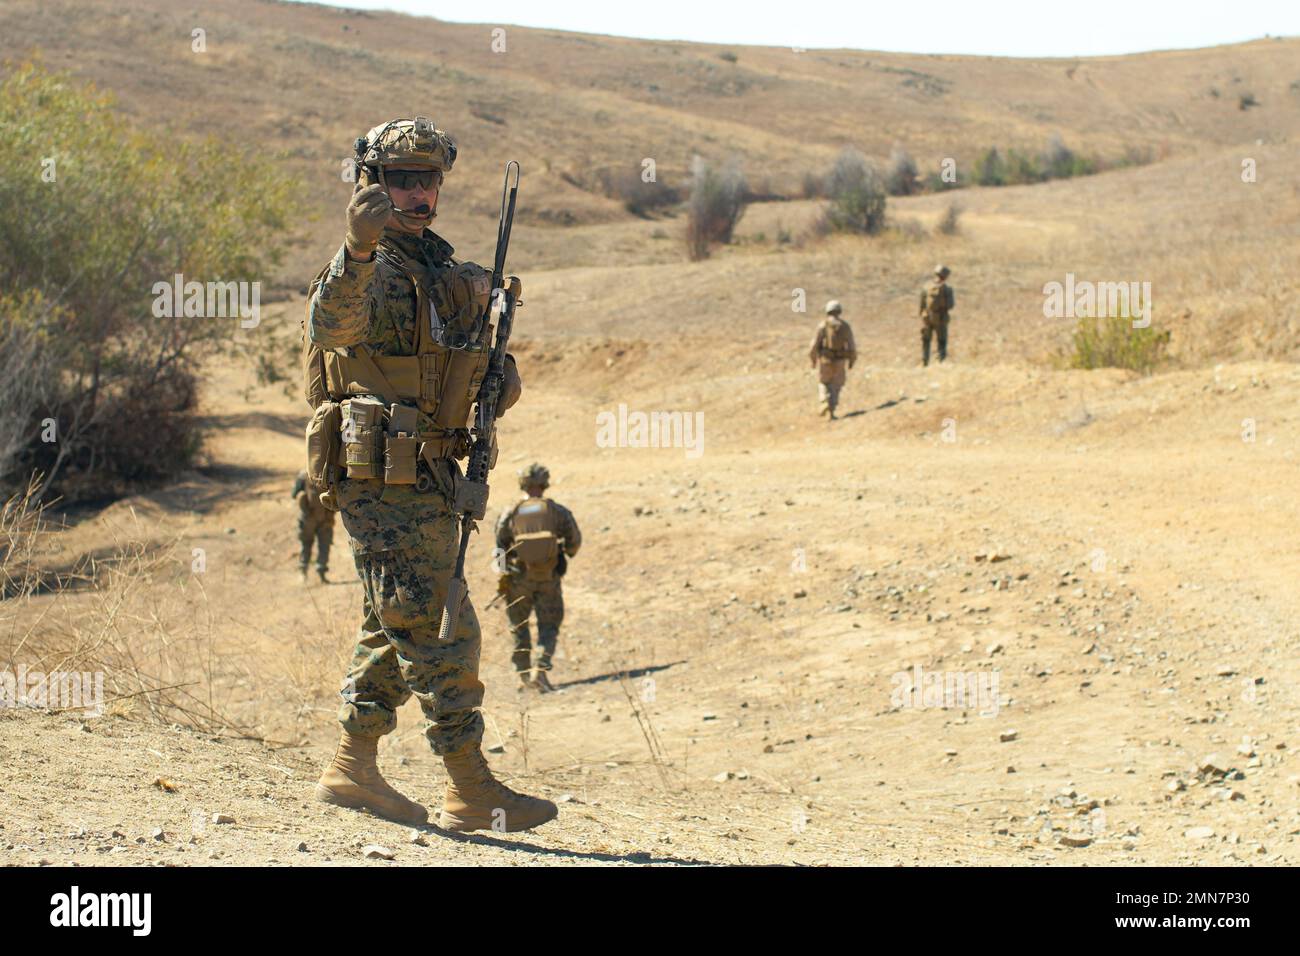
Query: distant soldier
{"x": 315, "y": 524}
{"x": 535, "y": 538}
{"x": 832, "y": 353}
{"x": 936, "y": 304}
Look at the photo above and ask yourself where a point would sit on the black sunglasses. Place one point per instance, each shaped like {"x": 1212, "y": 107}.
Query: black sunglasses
{"x": 410, "y": 178}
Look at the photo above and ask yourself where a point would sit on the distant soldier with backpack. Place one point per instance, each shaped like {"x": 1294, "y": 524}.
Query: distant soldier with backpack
{"x": 315, "y": 526}
{"x": 535, "y": 539}
{"x": 936, "y": 302}
{"x": 832, "y": 352}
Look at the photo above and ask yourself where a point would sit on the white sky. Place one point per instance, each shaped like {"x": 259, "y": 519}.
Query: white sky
{"x": 989, "y": 27}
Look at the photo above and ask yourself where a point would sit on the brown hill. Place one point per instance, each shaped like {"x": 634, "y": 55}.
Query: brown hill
{"x": 772, "y": 588}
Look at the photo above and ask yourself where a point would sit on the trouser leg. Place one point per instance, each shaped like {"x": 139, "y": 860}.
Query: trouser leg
{"x": 406, "y": 589}
{"x": 374, "y": 687}
{"x": 306, "y": 535}
{"x": 519, "y": 605}
{"x": 324, "y": 538}
{"x": 550, "y": 615}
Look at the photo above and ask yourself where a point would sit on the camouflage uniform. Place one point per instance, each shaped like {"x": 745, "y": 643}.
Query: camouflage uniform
{"x": 545, "y": 598}
{"x": 832, "y": 363}
{"x": 937, "y": 301}
{"x": 403, "y": 540}
{"x": 315, "y": 525}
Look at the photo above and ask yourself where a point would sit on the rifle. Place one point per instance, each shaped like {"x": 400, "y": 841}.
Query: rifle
{"x": 470, "y": 502}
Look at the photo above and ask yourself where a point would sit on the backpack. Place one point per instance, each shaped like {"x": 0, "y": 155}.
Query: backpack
{"x": 537, "y": 545}
{"x": 835, "y": 340}
{"x": 938, "y": 300}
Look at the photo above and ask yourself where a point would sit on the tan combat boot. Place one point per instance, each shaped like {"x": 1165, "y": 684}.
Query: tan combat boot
{"x": 352, "y": 780}
{"x": 476, "y": 800}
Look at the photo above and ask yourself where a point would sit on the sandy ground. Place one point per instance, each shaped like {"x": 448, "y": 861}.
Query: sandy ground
{"x": 1102, "y": 558}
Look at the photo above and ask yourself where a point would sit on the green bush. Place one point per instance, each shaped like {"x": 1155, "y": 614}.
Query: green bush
{"x": 94, "y": 213}
{"x": 990, "y": 168}
{"x": 857, "y": 195}
{"x": 1021, "y": 169}
{"x": 1112, "y": 342}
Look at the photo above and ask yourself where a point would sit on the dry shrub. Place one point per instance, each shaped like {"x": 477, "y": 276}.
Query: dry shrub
{"x": 901, "y": 177}
{"x": 948, "y": 224}
{"x": 718, "y": 198}
{"x": 1112, "y": 342}
{"x": 629, "y": 187}
{"x": 857, "y": 195}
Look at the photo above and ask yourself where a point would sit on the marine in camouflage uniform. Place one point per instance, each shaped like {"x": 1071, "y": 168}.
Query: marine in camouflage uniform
{"x": 364, "y": 306}
{"x": 541, "y": 593}
{"x": 832, "y": 353}
{"x": 315, "y": 527}
{"x": 937, "y": 301}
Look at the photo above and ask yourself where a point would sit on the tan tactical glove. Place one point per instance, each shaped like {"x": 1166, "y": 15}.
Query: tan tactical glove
{"x": 368, "y": 213}
{"x": 503, "y": 584}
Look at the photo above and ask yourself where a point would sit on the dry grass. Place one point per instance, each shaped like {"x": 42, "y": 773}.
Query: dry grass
{"x": 142, "y": 616}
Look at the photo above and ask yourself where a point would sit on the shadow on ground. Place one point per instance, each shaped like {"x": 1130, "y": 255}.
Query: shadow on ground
{"x": 615, "y": 675}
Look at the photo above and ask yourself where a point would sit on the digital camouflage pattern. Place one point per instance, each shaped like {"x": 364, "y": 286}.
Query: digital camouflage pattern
{"x": 545, "y": 598}
{"x": 315, "y": 525}
{"x": 404, "y": 545}
{"x": 374, "y": 302}
{"x": 403, "y": 541}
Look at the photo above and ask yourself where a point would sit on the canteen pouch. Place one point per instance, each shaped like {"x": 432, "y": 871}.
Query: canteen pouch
{"x": 323, "y": 434}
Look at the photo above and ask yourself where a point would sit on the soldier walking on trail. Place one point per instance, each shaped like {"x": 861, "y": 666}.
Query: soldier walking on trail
{"x": 315, "y": 526}
{"x": 535, "y": 539}
{"x": 936, "y": 304}
{"x": 398, "y": 336}
{"x": 832, "y": 352}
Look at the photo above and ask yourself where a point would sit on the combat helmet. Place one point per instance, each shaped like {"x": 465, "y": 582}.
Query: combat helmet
{"x": 833, "y": 307}
{"x": 534, "y": 474}
{"x": 405, "y": 142}
{"x": 942, "y": 271}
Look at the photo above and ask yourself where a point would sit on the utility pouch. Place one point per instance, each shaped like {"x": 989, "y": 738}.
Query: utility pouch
{"x": 399, "y": 459}
{"x": 403, "y": 418}
{"x": 401, "y": 445}
{"x": 470, "y": 496}
{"x": 323, "y": 448}
{"x": 464, "y": 371}
{"x": 363, "y": 437}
